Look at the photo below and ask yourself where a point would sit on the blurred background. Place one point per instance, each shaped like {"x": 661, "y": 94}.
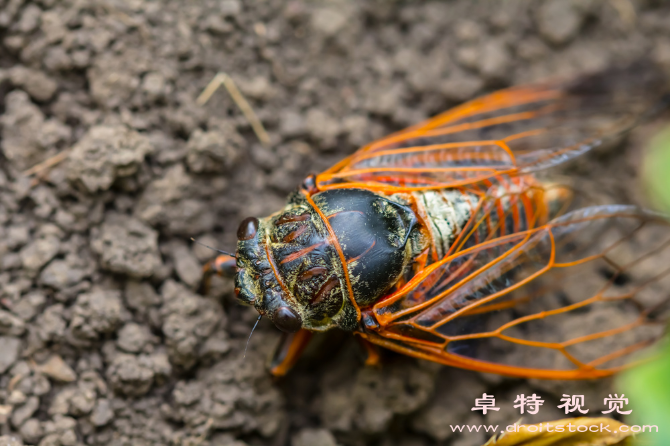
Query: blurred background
{"x": 109, "y": 164}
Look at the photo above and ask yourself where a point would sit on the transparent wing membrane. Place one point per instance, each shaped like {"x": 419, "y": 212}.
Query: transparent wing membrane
{"x": 527, "y": 288}
{"x": 574, "y": 298}
{"x": 512, "y": 132}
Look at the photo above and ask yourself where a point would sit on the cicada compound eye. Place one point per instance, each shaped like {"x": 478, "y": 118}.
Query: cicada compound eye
{"x": 247, "y": 229}
{"x": 287, "y": 320}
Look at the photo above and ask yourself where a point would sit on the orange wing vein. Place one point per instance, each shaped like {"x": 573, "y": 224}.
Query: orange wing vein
{"x": 513, "y": 131}
{"x": 542, "y": 303}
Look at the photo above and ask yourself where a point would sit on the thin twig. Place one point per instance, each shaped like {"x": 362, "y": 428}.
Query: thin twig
{"x": 50, "y": 162}
{"x": 127, "y": 20}
{"x": 225, "y": 80}
{"x": 205, "y": 431}
{"x": 14, "y": 381}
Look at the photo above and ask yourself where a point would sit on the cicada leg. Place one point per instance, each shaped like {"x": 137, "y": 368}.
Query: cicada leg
{"x": 373, "y": 358}
{"x": 288, "y": 351}
{"x": 224, "y": 266}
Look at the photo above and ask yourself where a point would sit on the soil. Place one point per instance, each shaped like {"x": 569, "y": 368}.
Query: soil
{"x": 104, "y": 337}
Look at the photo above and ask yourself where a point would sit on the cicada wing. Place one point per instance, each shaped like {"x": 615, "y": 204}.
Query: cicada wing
{"x": 513, "y": 131}
{"x": 575, "y": 298}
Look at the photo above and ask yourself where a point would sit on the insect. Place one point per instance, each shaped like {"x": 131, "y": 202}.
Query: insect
{"x": 441, "y": 241}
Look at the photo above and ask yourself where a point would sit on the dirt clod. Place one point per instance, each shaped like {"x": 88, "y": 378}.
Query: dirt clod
{"x": 186, "y": 265}
{"x": 28, "y": 137}
{"x": 25, "y": 411}
{"x": 132, "y": 338}
{"x": 37, "y": 84}
{"x": 51, "y": 324}
{"x": 314, "y": 437}
{"x": 168, "y": 202}
{"x": 213, "y": 151}
{"x": 188, "y": 320}
{"x": 43, "y": 247}
{"x": 56, "y": 368}
{"x": 10, "y": 324}
{"x": 559, "y": 21}
{"x": 96, "y": 313}
{"x": 9, "y": 351}
{"x": 127, "y": 246}
{"x": 134, "y": 375}
{"x": 104, "y": 154}
{"x": 10, "y": 440}
{"x": 102, "y": 413}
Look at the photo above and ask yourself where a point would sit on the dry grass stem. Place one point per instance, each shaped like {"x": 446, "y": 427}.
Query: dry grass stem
{"x": 48, "y": 163}
{"x": 225, "y": 80}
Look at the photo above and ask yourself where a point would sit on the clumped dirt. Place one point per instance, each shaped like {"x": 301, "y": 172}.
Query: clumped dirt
{"x": 104, "y": 338}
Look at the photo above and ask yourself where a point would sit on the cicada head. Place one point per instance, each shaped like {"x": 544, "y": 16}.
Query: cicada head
{"x": 288, "y": 270}
{"x": 255, "y": 281}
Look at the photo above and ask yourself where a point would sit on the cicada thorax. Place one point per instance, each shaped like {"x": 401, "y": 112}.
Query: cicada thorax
{"x": 324, "y": 256}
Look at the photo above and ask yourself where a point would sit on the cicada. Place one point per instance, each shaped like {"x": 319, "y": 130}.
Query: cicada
{"x": 443, "y": 243}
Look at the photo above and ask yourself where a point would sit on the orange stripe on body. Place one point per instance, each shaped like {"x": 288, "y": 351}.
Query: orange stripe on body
{"x": 271, "y": 260}
{"x": 298, "y": 254}
{"x": 340, "y": 253}
{"x": 295, "y": 234}
{"x": 374, "y": 242}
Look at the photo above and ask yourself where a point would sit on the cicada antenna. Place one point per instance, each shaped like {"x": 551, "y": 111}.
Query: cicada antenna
{"x": 214, "y": 249}
{"x": 252, "y": 332}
